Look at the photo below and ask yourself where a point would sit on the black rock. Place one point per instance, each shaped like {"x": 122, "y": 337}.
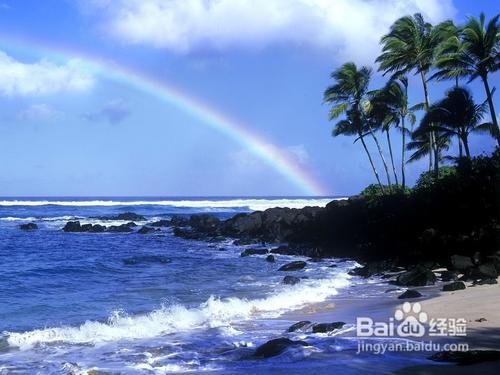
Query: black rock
{"x": 410, "y": 293}
{"x": 418, "y": 276}
{"x": 315, "y": 260}
{"x": 72, "y": 226}
{"x": 119, "y": 229}
{"x": 28, "y": 226}
{"x": 291, "y": 280}
{"x": 487, "y": 271}
{"x": 469, "y": 357}
{"x": 205, "y": 223}
{"x": 277, "y": 346}
{"x": 373, "y": 268}
{"x": 248, "y": 252}
{"x": 97, "y": 228}
{"x": 85, "y": 227}
{"x": 270, "y": 259}
{"x": 301, "y": 326}
{"x": 457, "y": 285}
{"x": 161, "y": 223}
{"x": 333, "y": 266}
{"x": 283, "y": 250}
{"x": 293, "y": 266}
{"x": 130, "y": 224}
{"x": 327, "y": 327}
{"x": 448, "y": 276}
{"x": 461, "y": 262}
{"x": 486, "y": 282}
{"x": 130, "y": 216}
{"x": 147, "y": 230}
{"x": 244, "y": 241}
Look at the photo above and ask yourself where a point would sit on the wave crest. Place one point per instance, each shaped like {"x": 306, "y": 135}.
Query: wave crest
{"x": 212, "y": 313}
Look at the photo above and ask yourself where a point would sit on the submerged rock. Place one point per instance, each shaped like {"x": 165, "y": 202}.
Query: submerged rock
{"x": 327, "y": 327}
{"x": 457, "y": 285}
{"x": 72, "y": 226}
{"x": 161, "y": 223}
{"x": 97, "y": 228}
{"x": 410, "y": 293}
{"x": 270, "y": 259}
{"x": 248, "y": 252}
{"x": 119, "y": 229}
{"x": 469, "y": 357}
{"x": 277, "y": 346}
{"x": 147, "y": 230}
{"x": 293, "y": 266}
{"x": 130, "y": 216}
{"x": 291, "y": 280}
{"x": 418, "y": 276}
{"x": 301, "y": 326}
{"x": 28, "y": 226}
{"x": 140, "y": 259}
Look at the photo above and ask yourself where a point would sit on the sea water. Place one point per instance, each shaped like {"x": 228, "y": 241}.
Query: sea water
{"x": 155, "y": 303}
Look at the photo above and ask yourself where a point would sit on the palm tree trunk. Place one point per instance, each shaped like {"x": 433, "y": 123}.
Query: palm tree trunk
{"x": 403, "y": 176}
{"x": 466, "y": 145}
{"x": 460, "y": 152}
{"x": 381, "y": 156}
{"x": 392, "y": 157}
{"x": 496, "y": 131}
{"x": 361, "y": 137}
{"x": 432, "y": 139}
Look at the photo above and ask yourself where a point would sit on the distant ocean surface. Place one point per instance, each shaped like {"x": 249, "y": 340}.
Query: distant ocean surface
{"x": 155, "y": 303}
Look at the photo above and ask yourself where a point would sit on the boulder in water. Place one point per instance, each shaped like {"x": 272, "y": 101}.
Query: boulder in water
{"x": 293, "y": 266}
{"x": 147, "y": 230}
{"x": 277, "y": 346}
{"x": 72, "y": 226}
{"x": 291, "y": 280}
{"x": 301, "y": 326}
{"x": 119, "y": 229}
{"x": 161, "y": 223}
{"x": 270, "y": 259}
{"x": 28, "y": 226}
{"x": 248, "y": 252}
{"x": 327, "y": 327}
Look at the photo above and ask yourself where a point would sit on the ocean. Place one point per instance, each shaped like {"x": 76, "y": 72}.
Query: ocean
{"x": 133, "y": 303}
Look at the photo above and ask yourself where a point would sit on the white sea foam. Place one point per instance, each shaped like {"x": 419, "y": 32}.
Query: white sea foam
{"x": 253, "y": 204}
{"x": 176, "y": 318}
{"x": 54, "y": 218}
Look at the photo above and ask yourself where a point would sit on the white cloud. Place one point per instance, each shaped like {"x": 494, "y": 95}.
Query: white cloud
{"x": 299, "y": 153}
{"x": 40, "y": 78}
{"x": 346, "y": 28}
{"x": 39, "y": 112}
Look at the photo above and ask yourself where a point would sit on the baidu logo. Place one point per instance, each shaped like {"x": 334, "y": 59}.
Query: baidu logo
{"x": 408, "y": 321}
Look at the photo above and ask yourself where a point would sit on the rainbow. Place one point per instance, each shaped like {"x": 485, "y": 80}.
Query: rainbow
{"x": 235, "y": 130}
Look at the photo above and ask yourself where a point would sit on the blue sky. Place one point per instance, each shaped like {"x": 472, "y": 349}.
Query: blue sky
{"x": 67, "y": 130}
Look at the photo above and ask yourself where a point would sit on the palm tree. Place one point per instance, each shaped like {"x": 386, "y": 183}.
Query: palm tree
{"x": 478, "y": 57}
{"x": 390, "y": 107}
{"x": 347, "y": 96}
{"x": 409, "y": 46}
{"x": 420, "y": 146}
{"x": 455, "y": 115}
{"x": 449, "y": 48}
